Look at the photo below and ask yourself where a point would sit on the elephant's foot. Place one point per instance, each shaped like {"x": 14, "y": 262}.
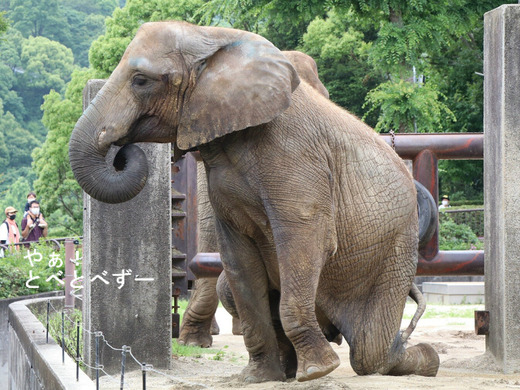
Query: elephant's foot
{"x": 421, "y": 359}
{"x": 198, "y": 336}
{"x": 262, "y": 371}
{"x": 319, "y": 362}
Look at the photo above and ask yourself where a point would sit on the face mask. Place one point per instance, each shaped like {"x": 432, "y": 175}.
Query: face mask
{"x": 35, "y": 211}
{"x": 12, "y": 217}
{"x": 445, "y": 202}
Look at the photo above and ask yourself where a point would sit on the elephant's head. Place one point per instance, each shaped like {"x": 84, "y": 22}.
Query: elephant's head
{"x": 176, "y": 83}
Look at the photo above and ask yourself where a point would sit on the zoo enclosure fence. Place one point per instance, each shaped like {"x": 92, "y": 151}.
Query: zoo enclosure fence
{"x": 424, "y": 150}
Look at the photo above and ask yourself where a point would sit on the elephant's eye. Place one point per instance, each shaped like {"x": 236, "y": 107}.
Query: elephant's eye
{"x": 139, "y": 81}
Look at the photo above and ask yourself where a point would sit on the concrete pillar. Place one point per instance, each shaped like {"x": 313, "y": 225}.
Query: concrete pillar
{"x": 133, "y": 238}
{"x": 502, "y": 183}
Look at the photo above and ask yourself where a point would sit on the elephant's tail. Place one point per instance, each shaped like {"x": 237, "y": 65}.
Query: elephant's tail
{"x": 417, "y": 296}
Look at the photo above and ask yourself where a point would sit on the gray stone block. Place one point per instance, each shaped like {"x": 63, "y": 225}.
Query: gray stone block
{"x": 502, "y": 183}
{"x": 132, "y": 238}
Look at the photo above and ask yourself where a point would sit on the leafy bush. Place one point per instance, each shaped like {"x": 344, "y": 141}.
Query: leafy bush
{"x": 69, "y": 329}
{"x": 453, "y": 236}
{"x": 34, "y": 267}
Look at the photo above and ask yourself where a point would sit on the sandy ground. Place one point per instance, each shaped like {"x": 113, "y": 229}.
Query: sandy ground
{"x": 464, "y": 365}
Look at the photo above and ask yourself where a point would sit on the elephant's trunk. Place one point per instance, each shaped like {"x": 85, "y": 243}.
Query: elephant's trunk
{"x": 109, "y": 183}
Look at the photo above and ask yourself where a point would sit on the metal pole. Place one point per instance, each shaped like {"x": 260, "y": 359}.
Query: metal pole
{"x": 63, "y": 337}
{"x": 48, "y": 309}
{"x": 144, "y": 376}
{"x": 77, "y": 351}
{"x": 123, "y": 361}
{"x": 97, "y": 360}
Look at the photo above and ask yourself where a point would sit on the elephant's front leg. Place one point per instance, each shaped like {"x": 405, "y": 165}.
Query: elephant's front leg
{"x": 301, "y": 253}
{"x": 248, "y": 280}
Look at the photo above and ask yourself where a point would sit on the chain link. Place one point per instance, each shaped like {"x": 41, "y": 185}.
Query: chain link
{"x": 392, "y": 134}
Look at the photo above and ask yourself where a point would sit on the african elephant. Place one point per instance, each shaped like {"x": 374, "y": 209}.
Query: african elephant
{"x": 316, "y": 216}
{"x": 198, "y": 322}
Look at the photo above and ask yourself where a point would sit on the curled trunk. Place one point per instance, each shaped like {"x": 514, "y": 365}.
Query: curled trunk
{"x": 109, "y": 182}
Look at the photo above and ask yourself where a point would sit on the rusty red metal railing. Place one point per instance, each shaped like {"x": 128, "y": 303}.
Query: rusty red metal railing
{"x": 425, "y": 150}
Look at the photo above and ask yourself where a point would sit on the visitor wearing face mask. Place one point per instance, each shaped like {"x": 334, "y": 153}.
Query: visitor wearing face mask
{"x": 33, "y": 224}
{"x": 9, "y": 232}
{"x": 30, "y": 197}
{"x": 445, "y": 202}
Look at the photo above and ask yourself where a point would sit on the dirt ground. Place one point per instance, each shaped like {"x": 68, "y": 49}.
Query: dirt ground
{"x": 464, "y": 365}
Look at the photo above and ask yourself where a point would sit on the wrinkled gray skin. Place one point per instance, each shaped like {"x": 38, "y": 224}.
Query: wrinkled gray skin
{"x": 198, "y": 322}
{"x": 315, "y": 215}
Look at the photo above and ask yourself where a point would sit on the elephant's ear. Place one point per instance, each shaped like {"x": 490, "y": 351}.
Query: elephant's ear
{"x": 244, "y": 83}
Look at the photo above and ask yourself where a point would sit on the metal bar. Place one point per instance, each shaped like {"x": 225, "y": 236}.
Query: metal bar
{"x": 123, "y": 361}
{"x": 446, "y": 146}
{"x": 452, "y": 263}
{"x": 47, "y": 331}
{"x": 144, "y": 375}
{"x": 77, "y": 351}
{"x": 98, "y": 334}
{"x": 208, "y": 265}
{"x": 62, "y": 337}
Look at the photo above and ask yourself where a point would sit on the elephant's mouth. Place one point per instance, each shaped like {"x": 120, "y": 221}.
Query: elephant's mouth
{"x": 148, "y": 128}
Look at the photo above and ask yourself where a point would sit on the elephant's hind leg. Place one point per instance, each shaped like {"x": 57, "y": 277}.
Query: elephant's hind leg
{"x": 375, "y": 339}
{"x": 198, "y": 317}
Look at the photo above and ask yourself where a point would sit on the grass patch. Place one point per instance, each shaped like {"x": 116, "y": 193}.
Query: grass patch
{"x": 443, "y": 311}
{"x": 197, "y": 352}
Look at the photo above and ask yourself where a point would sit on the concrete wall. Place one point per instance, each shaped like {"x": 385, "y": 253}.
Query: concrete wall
{"x": 133, "y": 238}
{"x": 4, "y": 331}
{"x": 35, "y": 364}
{"x": 502, "y": 183}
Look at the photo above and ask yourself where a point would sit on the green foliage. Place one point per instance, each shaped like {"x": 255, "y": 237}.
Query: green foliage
{"x": 16, "y": 196}
{"x": 402, "y": 103}
{"x": 37, "y": 55}
{"x": 4, "y": 24}
{"x": 341, "y": 54}
{"x": 69, "y": 331}
{"x": 56, "y": 186}
{"x": 453, "y": 236}
{"x": 16, "y": 270}
{"x": 35, "y": 17}
{"x": 462, "y": 179}
{"x": 465, "y": 215}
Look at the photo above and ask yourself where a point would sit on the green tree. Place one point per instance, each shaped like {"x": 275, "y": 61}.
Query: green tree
{"x": 56, "y": 186}
{"x": 45, "y": 65}
{"x": 35, "y": 17}
{"x": 3, "y": 23}
{"x": 339, "y": 44}
{"x": 16, "y": 196}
